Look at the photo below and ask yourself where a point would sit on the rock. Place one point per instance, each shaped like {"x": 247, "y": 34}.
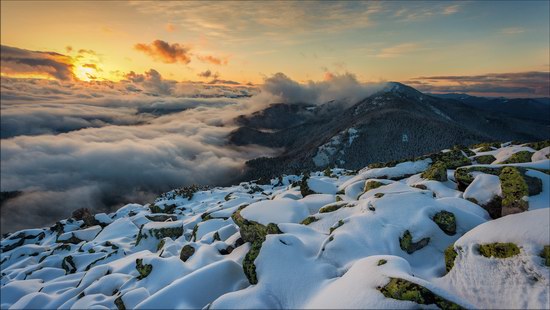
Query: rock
{"x": 450, "y": 256}
{"x": 485, "y": 159}
{"x": 514, "y": 191}
{"x": 446, "y": 221}
{"x": 186, "y": 252}
{"x": 409, "y": 246}
{"x": 371, "y": 184}
{"x": 405, "y": 290}
{"x": 498, "y": 250}
{"x": 436, "y": 172}
{"x": 518, "y": 157}
{"x": 144, "y": 270}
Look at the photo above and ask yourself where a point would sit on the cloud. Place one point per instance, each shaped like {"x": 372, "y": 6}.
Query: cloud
{"x": 170, "y": 27}
{"x": 21, "y": 62}
{"x": 344, "y": 88}
{"x": 208, "y": 74}
{"x": 518, "y": 84}
{"x": 70, "y": 144}
{"x": 165, "y": 52}
{"x": 213, "y": 60}
{"x": 512, "y": 30}
{"x": 451, "y": 9}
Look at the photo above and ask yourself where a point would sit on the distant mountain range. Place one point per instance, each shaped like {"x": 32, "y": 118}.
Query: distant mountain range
{"x": 396, "y": 122}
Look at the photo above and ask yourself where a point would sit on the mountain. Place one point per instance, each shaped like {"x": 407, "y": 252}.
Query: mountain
{"x": 404, "y": 121}
{"x": 458, "y": 229}
{"x": 536, "y": 109}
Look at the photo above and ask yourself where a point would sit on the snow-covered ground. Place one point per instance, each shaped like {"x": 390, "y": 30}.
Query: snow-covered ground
{"x": 379, "y": 238}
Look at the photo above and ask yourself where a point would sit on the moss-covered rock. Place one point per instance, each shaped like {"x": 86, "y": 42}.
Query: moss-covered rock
{"x": 464, "y": 178}
{"x": 446, "y": 221}
{"x": 328, "y": 172}
{"x": 405, "y": 290}
{"x": 338, "y": 199}
{"x": 186, "y": 252}
{"x": 464, "y": 149}
{"x": 519, "y": 157}
{"x": 381, "y": 262}
{"x": 160, "y": 245}
{"x": 514, "y": 189}
{"x": 485, "y": 159}
{"x": 248, "y": 262}
{"x": 538, "y": 145}
{"x": 68, "y": 264}
{"x": 378, "y": 195}
{"x": 144, "y": 270}
{"x": 498, "y": 250}
{"x": 450, "y": 256}
{"x": 168, "y": 209}
{"x": 452, "y": 159}
{"x": 436, "y": 172}
{"x": 161, "y": 217}
{"x": 406, "y": 243}
{"x": 486, "y": 146}
{"x": 333, "y": 228}
{"x": 119, "y": 303}
{"x": 333, "y": 207}
{"x": 545, "y": 254}
{"x": 420, "y": 186}
{"x": 371, "y": 184}
{"x": 309, "y": 220}
{"x": 304, "y": 187}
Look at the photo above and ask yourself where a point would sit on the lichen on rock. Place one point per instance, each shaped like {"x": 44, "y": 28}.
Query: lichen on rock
{"x": 518, "y": 157}
{"x": 545, "y": 254}
{"x": 407, "y": 245}
{"x": 485, "y": 159}
{"x": 446, "y": 221}
{"x": 308, "y": 220}
{"x": 436, "y": 172}
{"x": 186, "y": 252}
{"x": 371, "y": 184}
{"x": 401, "y": 289}
{"x": 450, "y": 256}
{"x": 514, "y": 191}
{"x": 498, "y": 250}
{"x": 144, "y": 270}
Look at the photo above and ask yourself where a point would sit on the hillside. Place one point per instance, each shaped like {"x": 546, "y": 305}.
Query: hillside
{"x": 405, "y": 121}
{"x": 460, "y": 228}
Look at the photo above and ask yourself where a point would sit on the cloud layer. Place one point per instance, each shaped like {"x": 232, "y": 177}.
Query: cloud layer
{"x": 45, "y": 64}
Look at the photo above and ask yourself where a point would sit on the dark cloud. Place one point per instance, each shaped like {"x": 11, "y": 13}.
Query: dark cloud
{"x": 165, "y": 52}
{"x": 519, "y": 84}
{"x": 208, "y": 74}
{"x": 16, "y": 61}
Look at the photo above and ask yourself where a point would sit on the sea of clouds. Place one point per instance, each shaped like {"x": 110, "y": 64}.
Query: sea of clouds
{"x": 67, "y": 145}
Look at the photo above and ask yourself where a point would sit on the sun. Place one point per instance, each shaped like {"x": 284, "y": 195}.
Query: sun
{"x": 85, "y": 73}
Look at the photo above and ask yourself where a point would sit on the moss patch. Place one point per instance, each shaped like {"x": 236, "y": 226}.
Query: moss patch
{"x": 446, "y": 221}
{"x": 514, "y": 188}
{"x": 545, "y": 254}
{"x": 169, "y": 209}
{"x": 464, "y": 177}
{"x": 144, "y": 270}
{"x": 519, "y": 157}
{"x": 486, "y": 146}
{"x": 450, "y": 256}
{"x": 333, "y": 207}
{"x": 405, "y": 290}
{"x": 485, "y": 159}
{"x": 304, "y": 187}
{"x": 160, "y": 245}
{"x": 452, "y": 159}
{"x": 119, "y": 303}
{"x": 372, "y": 185}
{"x": 436, "y": 172}
{"x": 381, "y": 262}
{"x": 464, "y": 149}
{"x": 409, "y": 246}
{"x": 333, "y": 228}
{"x": 186, "y": 252}
{"x": 248, "y": 262}
{"x": 538, "y": 145}
{"x": 309, "y": 220}
{"x": 499, "y": 250}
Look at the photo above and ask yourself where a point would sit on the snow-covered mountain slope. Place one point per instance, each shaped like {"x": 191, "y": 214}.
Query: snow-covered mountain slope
{"x": 406, "y": 234}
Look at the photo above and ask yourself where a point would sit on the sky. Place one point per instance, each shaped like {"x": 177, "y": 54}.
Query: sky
{"x": 110, "y": 102}
{"x": 422, "y": 43}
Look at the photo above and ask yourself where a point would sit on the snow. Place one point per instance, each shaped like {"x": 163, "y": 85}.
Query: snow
{"x": 330, "y": 263}
{"x": 542, "y": 154}
{"x": 484, "y": 188}
{"x": 276, "y": 211}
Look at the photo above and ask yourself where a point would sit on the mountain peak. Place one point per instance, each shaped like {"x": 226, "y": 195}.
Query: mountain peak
{"x": 402, "y": 90}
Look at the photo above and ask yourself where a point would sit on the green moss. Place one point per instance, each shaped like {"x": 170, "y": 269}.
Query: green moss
{"x": 119, "y": 303}
{"x": 452, "y": 159}
{"x": 405, "y": 290}
{"x": 144, "y": 270}
{"x": 407, "y": 245}
{"x": 538, "y": 145}
{"x": 498, "y": 250}
{"x": 485, "y": 159}
{"x": 304, "y": 187}
{"x": 333, "y": 207}
{"x": 514, "y": 188}
{"x": 338, "y": 199}
{"x": 186, "y": 252}
{"x": 309, "y": 220}
{"x": 372, "y": 185}
{"x": 519, "y": 157}
{"x": 545, "y": 254}
{"x": 160, "y": 245}
{"x": 68, "y": 264}
{"x": 464, "y": 178}
{"x": 436, "y": 172}
{"x": 167, "y": 232}
{"x": 248, "y": 262}
{"x": 378, "y": 195}
{"x": 446, "y": 221}
{"x": 381, "y": 262}
{"x": 169, "y": 209}
{"x": 486, "y": 146}
{"x": 450, "y": 256}
{"x": 333, "y": 228}
{"x": 464, "y": 149}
